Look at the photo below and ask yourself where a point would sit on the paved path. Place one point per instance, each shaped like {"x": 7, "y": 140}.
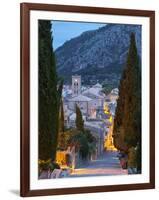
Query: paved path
{"x": 107, "y": 164}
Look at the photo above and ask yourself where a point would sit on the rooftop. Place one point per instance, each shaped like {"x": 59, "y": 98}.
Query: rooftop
{"x": 95, "y": 90}
{"x": 80, "y": 97}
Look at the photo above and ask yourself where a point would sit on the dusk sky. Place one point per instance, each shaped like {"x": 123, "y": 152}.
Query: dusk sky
{"x": 64, "y": 31}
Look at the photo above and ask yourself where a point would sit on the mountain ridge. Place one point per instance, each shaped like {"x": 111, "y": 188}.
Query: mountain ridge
{"x": 97, "y": 55}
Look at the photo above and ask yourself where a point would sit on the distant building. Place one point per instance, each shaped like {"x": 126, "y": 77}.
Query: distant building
{"x": 82, "y": 101}
{"x": 113, "y": 96}
{"x": 95, "y": 92}
{"x": 111, "y": 101}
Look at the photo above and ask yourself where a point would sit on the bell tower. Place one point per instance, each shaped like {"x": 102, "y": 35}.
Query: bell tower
{"x": 76, "y": 85}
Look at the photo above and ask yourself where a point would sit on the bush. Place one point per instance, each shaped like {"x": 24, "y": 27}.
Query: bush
{"x": 90, "y": 137}
{"x": 53, "y": 166}
{"x": 45, "y": 165}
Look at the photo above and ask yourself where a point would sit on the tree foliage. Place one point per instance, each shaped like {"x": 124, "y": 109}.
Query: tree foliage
{"x": 118, "y": 131}
{"x": 84, "y": 142}
{"x": 50, "y": 89}
{"x": 132, "y": 106}
{"x": 79, "y": 120}
{"x": 127, "y": 123}
{"x": 61, "y": 135}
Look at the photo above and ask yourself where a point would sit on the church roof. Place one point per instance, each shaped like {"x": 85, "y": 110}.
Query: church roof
{"x": 94, "y": 91}
{"x": 80, "y": 97}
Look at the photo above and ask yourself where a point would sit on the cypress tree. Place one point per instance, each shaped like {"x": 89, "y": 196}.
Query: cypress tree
{"x": 79, "y": 120}
{"x": 61, "y": 139}
{"x": 62, "y": 125}
{"x": 127, "y": 122}
{"x": 118, "y": 132}
{"x": 132, "y": 110}
{"x": 132, "y": 106}
{"x": 49, "y": 90}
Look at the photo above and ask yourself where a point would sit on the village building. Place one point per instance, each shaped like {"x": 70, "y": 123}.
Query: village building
{"x": 97, "y": 111}
{"x": 82, "y": 101}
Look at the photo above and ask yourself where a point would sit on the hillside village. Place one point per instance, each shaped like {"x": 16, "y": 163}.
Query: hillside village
{"x": 98, "y": 109}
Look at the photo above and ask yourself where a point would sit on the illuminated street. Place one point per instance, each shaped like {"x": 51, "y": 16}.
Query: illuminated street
{"x": 107, "y": 164}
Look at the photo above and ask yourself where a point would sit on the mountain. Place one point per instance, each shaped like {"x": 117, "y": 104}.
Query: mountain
{"x": 97, "y": 55}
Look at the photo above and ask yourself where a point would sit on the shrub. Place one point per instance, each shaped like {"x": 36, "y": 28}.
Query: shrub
{"x": 53, "y": 166}
{"x": 43, "y": 164}
{"x": 47, "y": 164}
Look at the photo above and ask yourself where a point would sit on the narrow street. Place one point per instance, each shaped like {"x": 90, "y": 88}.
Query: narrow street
{"x": 107, "y": 164}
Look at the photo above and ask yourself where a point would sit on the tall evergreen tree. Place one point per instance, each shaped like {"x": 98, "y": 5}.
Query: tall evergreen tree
{"x": 50, "y": 90}
{"x": 79, "y": 120}
{"x": 132, "y": 110}
{"x": 62, "y": 124}
{"x": 118, "y": 132}
{"x": 61, "y": 138}
{"x": 127, "y": 123}
{"x": 132, "y": 107}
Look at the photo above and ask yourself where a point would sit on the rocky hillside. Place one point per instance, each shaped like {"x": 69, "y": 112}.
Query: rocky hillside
{"x": 97, "y": 55}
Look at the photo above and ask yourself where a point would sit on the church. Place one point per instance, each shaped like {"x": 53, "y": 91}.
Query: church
{"x": 90, "y": 100}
